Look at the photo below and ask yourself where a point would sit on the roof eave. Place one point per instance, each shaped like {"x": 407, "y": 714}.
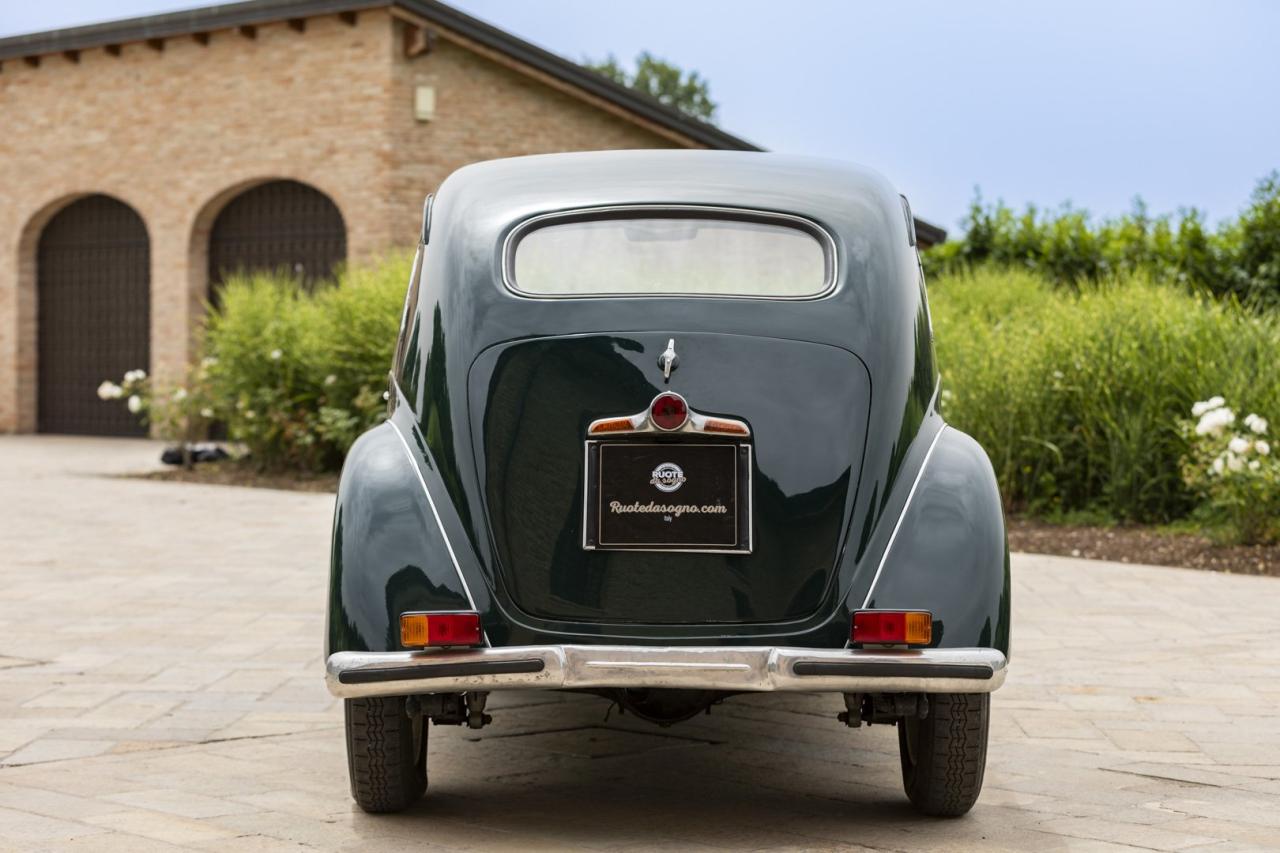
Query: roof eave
{"x": 172, "y": 24}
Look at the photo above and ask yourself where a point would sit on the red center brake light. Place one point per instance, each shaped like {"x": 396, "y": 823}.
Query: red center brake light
{"x": 892, "y": 627}
{"x": 439, "y": 629}
{"x": 669, "y": 411}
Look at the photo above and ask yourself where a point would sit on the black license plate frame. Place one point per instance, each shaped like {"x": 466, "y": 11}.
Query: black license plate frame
{"x": 656, "y": 517}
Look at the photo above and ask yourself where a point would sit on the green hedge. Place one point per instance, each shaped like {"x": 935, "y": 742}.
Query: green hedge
{"x": 1240, "y": 259}
{"x": 1077, "y": 396}
{"x": 298, "y": 375}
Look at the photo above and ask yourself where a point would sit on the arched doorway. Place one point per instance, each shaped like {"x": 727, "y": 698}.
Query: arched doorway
{"x": 277, "y": 225}
{"x": 93, "y": 284}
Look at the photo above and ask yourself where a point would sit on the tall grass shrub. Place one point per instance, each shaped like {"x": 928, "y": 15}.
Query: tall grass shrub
{"x": 1078, "y": 396}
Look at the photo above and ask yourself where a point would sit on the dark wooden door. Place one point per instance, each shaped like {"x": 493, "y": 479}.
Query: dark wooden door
{"x": 281, "y": 225}
{"x": 93, "y": 280}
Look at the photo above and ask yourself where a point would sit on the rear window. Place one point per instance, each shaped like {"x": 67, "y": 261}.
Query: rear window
{"x": 658, "y": 254}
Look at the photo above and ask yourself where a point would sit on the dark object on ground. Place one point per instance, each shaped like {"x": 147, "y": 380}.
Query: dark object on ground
{"x": 1142, "y": 545}
{"x": 204, "y": 452}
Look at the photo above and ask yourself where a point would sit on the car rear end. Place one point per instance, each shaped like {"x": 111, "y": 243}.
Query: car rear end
{"x": 659, "y": 469}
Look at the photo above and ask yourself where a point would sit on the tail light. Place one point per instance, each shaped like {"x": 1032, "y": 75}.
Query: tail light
{"x": 418, "y": 630}
{"x": 892, "y": 628}
{"x": 669, "y": 411}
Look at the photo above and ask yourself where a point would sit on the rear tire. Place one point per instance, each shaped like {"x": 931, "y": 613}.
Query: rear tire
{"x": 386, "y": 754}
{"x": 944, "y": 755}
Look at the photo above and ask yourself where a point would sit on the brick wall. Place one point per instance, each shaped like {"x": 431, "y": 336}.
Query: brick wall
{"x": 177, "y": 132}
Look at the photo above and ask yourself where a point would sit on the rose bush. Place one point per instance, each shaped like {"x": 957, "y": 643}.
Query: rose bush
{"x": 1233, "y": 470}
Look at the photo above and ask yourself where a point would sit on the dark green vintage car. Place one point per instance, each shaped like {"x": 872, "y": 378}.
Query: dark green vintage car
{"x": 664, "y": 428}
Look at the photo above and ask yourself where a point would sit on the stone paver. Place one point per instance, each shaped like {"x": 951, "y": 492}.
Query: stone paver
{"x": 160, "y": 689}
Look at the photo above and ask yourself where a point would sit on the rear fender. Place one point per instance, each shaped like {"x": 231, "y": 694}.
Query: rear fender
{"x": 388, "y": 555}
{"x": 949, "y": 553}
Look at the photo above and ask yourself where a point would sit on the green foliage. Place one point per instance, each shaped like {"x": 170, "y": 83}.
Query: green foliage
{"x": 1231, "y": 466}
{"x": 297, "y": 376}
{"x": 662, "y": 81}
{"x": 1078, "y": 395}
{"x": 1241, "y": 259}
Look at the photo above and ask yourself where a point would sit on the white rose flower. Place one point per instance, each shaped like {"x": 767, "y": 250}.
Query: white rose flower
{"x": 1214, "y": 421}
{"x": 208, "y": 361}
{"x": 1262, "y": 447}
{"x": 1234, "y": 463}
{"x": 1238, "y": 445}
{"x": 1255, "y": 423}
{"x": 109, "y": 391}
{"x": 135, "y": 404}
{"x": 1219, "y": 465}
{"x": 180, "y": 395}
{"x": 135, "y": 375}
{"x": 330, "y": 379}
{"x": 250, "y": 414}
{"x": 1255, "y": 465}
{"x": 1206, "y": 406}
{"x": 1058, "y": 374}
{"x": 206, "y": 412}
{"x": 276, "y": 354}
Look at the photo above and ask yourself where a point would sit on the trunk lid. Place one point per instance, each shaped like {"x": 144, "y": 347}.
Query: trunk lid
{"x": 531, "y": 402}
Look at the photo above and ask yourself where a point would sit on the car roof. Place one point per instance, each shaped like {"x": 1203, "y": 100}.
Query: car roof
{"x": 518, "y": 187}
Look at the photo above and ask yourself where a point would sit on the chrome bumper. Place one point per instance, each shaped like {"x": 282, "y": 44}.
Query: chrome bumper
{"x": 353, "y": 675}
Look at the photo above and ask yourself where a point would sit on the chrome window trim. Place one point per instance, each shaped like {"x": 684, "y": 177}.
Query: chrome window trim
{"x": 743, "y": 214}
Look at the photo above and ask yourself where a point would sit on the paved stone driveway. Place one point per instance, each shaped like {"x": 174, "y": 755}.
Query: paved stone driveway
{"x": 160, "y": 688}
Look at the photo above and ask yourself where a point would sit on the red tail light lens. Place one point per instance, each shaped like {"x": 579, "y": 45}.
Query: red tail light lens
{"x": 418, "y": 630}
{"x": 669, "y": 411}
{"x": 892, "y": 627}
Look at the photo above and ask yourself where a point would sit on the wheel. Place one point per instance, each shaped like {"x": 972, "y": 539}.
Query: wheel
{"x": 945, "y": 754}
{"x": 386, "y": 754}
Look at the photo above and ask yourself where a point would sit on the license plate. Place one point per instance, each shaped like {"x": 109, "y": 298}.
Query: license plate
{"x": 668, "y": 496}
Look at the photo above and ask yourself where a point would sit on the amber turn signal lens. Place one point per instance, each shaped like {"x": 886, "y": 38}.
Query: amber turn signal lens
{"x": 892, "y": 627}
{"x": 726, "y": 427}
{"x": 418, "y": 630}
{"x": 612, "y": 425}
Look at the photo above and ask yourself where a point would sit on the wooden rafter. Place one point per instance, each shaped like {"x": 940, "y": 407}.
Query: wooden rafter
{"x": 156, "y": 44}
{"x": 72, "y": 55}
{"x": 201, "y": 39}
{"x": 113, "y": 49}
{"x": 249, "y": 31}
{"x": 298, "y": 25}
{"x": 348, "y": 18}
{"x": 33, "y": 61}
{"x": 418, "y": 40}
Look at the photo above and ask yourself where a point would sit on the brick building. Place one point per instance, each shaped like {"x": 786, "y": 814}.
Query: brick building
{"x": 143, "y": 158}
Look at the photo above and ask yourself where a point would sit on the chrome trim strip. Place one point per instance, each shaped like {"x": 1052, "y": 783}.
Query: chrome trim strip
{"x": 818, "y": 232}
{"x": 884, "y": 558}
{"x": 695, "y": 422}
{"x": 413, "y": 463}
{"x": 728, "y": 668}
